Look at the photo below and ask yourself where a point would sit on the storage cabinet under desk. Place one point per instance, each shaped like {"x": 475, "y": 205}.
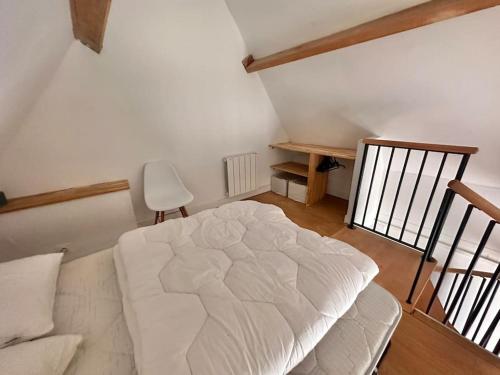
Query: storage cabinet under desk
{"x": 317, "y": 182}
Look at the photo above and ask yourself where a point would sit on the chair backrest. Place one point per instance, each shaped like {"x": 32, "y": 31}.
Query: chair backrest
{"x": 161, "y": 175}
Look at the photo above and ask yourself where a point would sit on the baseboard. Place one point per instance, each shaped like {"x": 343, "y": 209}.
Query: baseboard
{"x": 214, "y": 204}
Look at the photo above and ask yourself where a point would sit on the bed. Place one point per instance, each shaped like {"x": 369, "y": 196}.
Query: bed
{"x": 89, "y": 300}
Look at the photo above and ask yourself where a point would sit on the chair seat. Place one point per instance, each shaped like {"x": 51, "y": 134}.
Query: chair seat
{"x": 163, "y": 189}
{"x": 167, "y": 202}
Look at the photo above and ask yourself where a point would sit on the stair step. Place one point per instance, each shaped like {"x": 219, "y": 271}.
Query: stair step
{"x": 437, "y": 310}
{"x": 452, "y": 334}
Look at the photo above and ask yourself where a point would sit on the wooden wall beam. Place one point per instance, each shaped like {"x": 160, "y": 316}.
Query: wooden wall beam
{"x": 59, "y": 196}
{"x": 89, "y": 21}
{"x": 411, "y": 18}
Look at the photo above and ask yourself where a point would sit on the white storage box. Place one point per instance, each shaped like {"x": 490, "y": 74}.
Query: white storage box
{"x": 297, "y": 190}
{"x": 279, "y": 184}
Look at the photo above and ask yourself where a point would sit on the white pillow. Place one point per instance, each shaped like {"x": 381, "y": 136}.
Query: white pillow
{"x": 27, "y": 293}
{"x": 47, "y": 356}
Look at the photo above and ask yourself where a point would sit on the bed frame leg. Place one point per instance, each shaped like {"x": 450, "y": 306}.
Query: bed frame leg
{"x": 157, "y": 217}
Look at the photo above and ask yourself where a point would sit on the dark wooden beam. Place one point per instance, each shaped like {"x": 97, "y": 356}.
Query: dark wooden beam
{"x": 411, "y": 18}
{"x": 89, "y": 21}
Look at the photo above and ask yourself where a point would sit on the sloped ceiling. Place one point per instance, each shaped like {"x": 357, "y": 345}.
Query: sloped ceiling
{"x": 34, "y": 35}
{"x": 439, "y": 83}
{"x": 271, "y": 26}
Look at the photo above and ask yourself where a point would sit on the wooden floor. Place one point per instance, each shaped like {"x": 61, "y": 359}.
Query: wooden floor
{"x": 398, "y": 264}
{"x": 418, "y": 347}
{"x": 326, "y": 217}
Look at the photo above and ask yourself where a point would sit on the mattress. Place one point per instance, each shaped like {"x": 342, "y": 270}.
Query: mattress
{"x": 235, "y": 290}
{"x": 88, "y": 302}
{"x": 355, "y": 344}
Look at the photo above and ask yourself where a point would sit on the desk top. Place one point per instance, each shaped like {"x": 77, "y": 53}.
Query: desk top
{"x": 341, "y": 153}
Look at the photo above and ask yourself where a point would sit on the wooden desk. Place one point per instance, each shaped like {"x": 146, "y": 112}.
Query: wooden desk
{"x": 316, "y": 181}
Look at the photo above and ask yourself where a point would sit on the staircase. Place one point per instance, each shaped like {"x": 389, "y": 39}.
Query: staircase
{"x": 463, "y": 302}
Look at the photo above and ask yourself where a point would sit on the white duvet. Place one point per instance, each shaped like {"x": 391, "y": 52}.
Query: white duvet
{"x": 235, "y": 290}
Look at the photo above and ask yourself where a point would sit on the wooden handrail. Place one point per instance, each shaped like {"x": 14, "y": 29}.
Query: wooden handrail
{"x": 422, "y": 146}
{"x": 475, "y": 199}
{"x": 407, "y": 19}
{"x": 59, "y": 196}
{"x": 462, "y": 271}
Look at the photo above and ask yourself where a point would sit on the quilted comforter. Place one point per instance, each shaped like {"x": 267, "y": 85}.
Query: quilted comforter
{"x": 235, "y": 290}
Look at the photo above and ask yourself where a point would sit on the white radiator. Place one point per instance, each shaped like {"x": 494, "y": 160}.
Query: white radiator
{"x": 240, "y": 173}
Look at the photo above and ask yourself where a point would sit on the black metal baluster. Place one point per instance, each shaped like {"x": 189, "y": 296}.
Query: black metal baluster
{"x": 451, "y": 291}
{"x": 443, "y": 210}
{"x": 462, "y": 300}
{"x": 485, "y": 312}
{"x": 454, "y": 246}
{"x": 371, "y": 185}
{"x": 360, "y": 180}
{"x": 431, "y": 196}
{"x": 491, "y": 328}
{"x": 472, "y": 264}
{"x": 383, "y": 188}
{"x": 462, "y": 166}
{"x": 441, "y": 216}
{"x": 478, "y": 294}
{"x": 424, "y": 159}
{"x": 439, "y": 223}
{"x": 496, "y": 351}
{"x": 408, "y": 151}
{"x": 476, "y": 311}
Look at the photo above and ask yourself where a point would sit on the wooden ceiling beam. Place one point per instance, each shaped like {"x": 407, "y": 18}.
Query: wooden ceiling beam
{"x": 89, "y": 21}
{"x": 407, "y": 19}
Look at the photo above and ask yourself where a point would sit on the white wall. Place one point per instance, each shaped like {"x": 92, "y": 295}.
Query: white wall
{"x": 439, "y": 83}
{"x": 34, "y": 35}
{"x": 80, "y": 227}
{"x": 168, "y": 84}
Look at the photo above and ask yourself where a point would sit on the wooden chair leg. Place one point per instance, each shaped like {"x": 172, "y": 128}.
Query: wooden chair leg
{"x": 183, "y": 211}
{"x": 162, "y": 216}
{"x": 157, "y": 217}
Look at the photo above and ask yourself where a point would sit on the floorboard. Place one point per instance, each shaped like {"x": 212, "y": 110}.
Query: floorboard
{"x": 325, "y": 217}
{"x": 417, "y": 348}
{"x": 398, "y": 264}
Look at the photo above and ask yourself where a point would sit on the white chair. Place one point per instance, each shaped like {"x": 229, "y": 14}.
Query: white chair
{"x": 164, "y": 190}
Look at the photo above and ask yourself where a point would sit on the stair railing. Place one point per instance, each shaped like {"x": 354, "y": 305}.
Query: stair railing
{"x": 463, "y": 278}
{"x": 374, "y": 147}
